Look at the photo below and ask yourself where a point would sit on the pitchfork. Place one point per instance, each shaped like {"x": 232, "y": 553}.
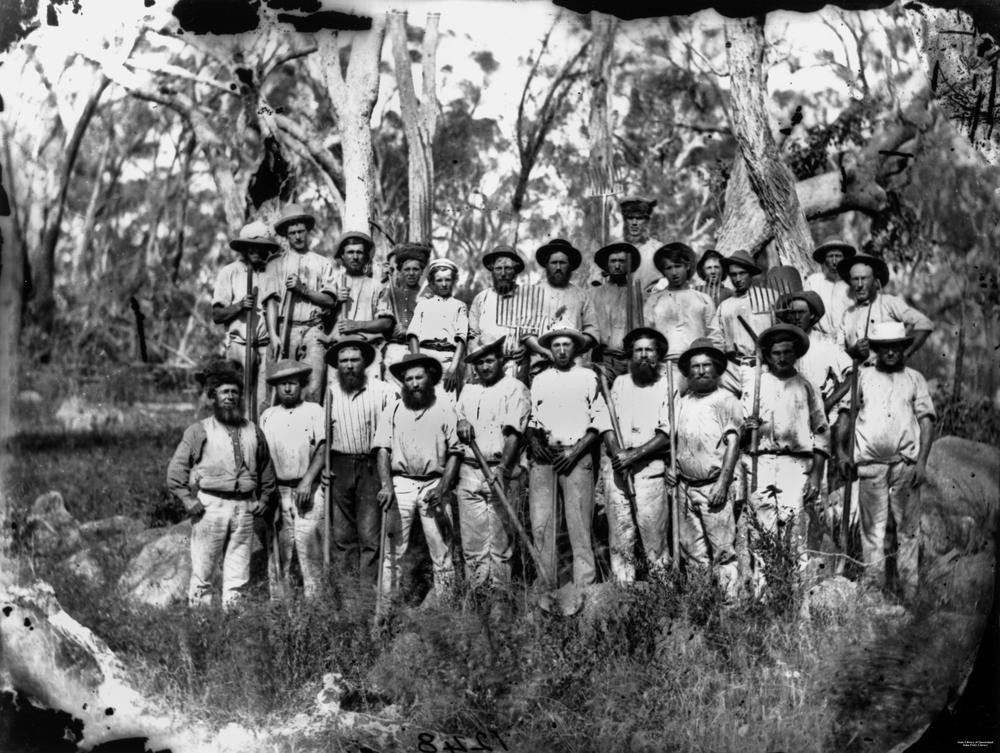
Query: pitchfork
{"x": 778, "y": 281}
{"x": 523, "y": 312}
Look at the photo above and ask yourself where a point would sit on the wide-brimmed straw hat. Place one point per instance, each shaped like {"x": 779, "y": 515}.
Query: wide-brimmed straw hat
{"x": 800, "y": 340}
{"x": 711, "y": 253}
{"x": 880, "y": 268}
{"x": 640, "y": 332}
{"x": 562, "y": 246}
{"x": 702, "y": 346}
{"x": 484, "y": 350}
{"x": 352, "y": 341}
{"x": 504, "y": 251}
{"x": 353, "y": 235}
{"x": 743, "y": 259}
{"x": 819, "y": 254}
{"x": 294, "y": 213}
{"x": 603, "y": 253}
{"x": 287, "y": 368}
{"x": 254, "y": 235}
{"x": 888, "y": 333}
{"x": 578, "y": 338}
{"x": 410, "y": 360}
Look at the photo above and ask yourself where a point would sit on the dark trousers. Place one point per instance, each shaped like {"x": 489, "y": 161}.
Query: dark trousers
{"x": 356, "y": 518}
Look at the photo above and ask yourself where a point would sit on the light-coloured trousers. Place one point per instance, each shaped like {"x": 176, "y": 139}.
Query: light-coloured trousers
{"x": 301, "y": 533}
{"x": 411, "y": 500}
{"x": 485, "y": 542}
{"x": 652, "y": 513}
{"x": 886, "y": 489}
{"x": 224, "y": 531}
{"x": 577, "y": 490}
{"x": 778, "y": 505}
{"x": 708, "y": 539}
{"x": 305, "y": 346}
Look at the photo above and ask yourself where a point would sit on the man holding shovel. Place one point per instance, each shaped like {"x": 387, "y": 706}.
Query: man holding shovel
{"x": 494, "y": 413}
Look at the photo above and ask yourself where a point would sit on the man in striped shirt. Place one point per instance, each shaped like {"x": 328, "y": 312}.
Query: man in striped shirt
{"x": 486, "y": 310}
{"x": 356, "y": 402}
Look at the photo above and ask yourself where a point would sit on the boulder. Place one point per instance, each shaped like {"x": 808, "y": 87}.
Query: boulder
{"x": 88, "y": 565}
{"x": 76, "y": 415}
{"x": 50, "y": 529}
{"x": 158, "y": 576}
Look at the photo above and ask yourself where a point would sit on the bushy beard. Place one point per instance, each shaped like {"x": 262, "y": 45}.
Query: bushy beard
{"x": 351, "y": 381}
{"x": 229, "y": 416}
{"x": 417, "y": 400}
{"x": 503, "y": 287}
{"x": 643, "y": 374}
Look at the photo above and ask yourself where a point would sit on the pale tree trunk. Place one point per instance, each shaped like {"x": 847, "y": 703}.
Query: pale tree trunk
{"x": 353, "y": 97}
{"x": 763, "y": 172}
{"x": 12, "y": 281}
{"x": 599, "y": 124}
{"x": 82, "y": 243}
{"x": 419, "y": 120}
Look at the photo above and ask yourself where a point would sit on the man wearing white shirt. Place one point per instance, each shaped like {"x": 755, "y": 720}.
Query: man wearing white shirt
{"x": 568, "y": 416}
{"x": 440, "y": 323}
{"x": 826, "y": 283}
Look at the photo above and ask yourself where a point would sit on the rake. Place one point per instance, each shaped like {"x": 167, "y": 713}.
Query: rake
{"x": 523, "y": 314}
{"x": 778, "y": 281}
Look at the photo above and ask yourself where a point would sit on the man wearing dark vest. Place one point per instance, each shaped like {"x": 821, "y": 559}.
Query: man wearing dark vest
{"x": 222, "y": 472}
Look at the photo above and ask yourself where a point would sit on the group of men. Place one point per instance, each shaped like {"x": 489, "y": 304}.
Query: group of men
{"x": 685, "y": 410}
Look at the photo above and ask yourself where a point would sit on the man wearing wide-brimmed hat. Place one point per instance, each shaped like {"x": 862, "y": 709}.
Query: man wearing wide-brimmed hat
{"x": 230, "y": 303}
{"x": 418, "y": 460}
{"x": 833, "y": 291}
{"x": 308, "y": 279}
{"x": 568, "y": 417}
{"x": 679, "y": 312}
{"x": 616, "y": 304}
{"x": 493, "y": 412}
{"x": 295, "y": 437}
{"x": 736, "y": 343}
{"x": 222, "y": 473}
{"x": 712, "y": 272}
{"x": 792, "y": 448}
{"x": 892, "y": 440}
{"x": 403, "y": 289}
{"x": 637, "y": 211}
{"x": 356, "y": 405}
{"x": 363, "y": 307}
{"x": 867, "y": 275}
{"x": 440, "y": 323}
{"x": 641, "y": 401}
{"x": 824, "y": 364}
{"x": 708, "y": 425}
{"x": 504, "y": 264}
{"x": 564, "y": 304}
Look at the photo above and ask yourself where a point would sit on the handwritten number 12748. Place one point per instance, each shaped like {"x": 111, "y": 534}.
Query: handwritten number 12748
{"x": 427, "y": 742}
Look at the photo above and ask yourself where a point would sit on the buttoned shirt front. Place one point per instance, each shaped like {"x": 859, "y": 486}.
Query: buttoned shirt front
{"x": 642, "y": 411}
{"x": 836, "y": 297}
{"x": 419, "y": 442}
{"x": 355, "y": 415}
{"x": 438, "y": 318}
{"x": 891, "y": 406}
{"x": 230, "y": 287}
{"x": 703, "y": 421}
{"x": 292, "y": 435}
{"x": 682, "y": 316}
{"x": 565, "y": 404}
{"x": 491, "y": 410}
{"x": 884, "y": 308}
{"x": 315, "y": 271}
{"x": 792, "y": 418}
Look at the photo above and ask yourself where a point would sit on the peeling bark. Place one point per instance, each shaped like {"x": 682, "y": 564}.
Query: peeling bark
{"x": 599, "y": 125}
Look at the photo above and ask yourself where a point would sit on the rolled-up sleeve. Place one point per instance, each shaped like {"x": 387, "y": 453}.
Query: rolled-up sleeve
{"x": 923, "y": 406}
{"x": 383, "y": 431}
{"x": 461, "y": 322}
{"x": 517, "y": 410}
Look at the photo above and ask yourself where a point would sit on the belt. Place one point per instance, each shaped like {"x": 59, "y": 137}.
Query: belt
{"x": 418, "y": 477}
{"x": 289, "y": 482}
{"x": 237, "y": 496}
{"x": 438, "y": 345}
{"x": 696, "y": 483}
{"x": 475, "y": 463}
{"x": 353, "y": 455}
{"x": 790, "y": 453}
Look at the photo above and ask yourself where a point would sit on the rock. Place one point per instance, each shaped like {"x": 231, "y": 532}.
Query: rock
{"x": 332, "y": 693}
{"x": 963, "y": 583}
{"x": 158, "y": 576}
{"x": 75, "y": 414}
{"x": 51, "y": 529}
{"x": 88, "y": 565}
{"x": 116, "y": 529}
{"x": 833, "y": 599}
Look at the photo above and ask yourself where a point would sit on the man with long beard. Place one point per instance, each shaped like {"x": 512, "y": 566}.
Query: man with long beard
{"x": 222, "y": 473}
{"x": 493, "y": 413}
{"x": 708, "y": 422}
{"x": 612, "y": 302}
{"x": 504, "y": 264}
{"x": 568, "y": 417}
{"x": 417, "y": 458}
{"x": 893, "y": 435}
{"x": 295, "y": 438}
{"x": 356, "y": 405}
{"x": 641, "y": 400}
